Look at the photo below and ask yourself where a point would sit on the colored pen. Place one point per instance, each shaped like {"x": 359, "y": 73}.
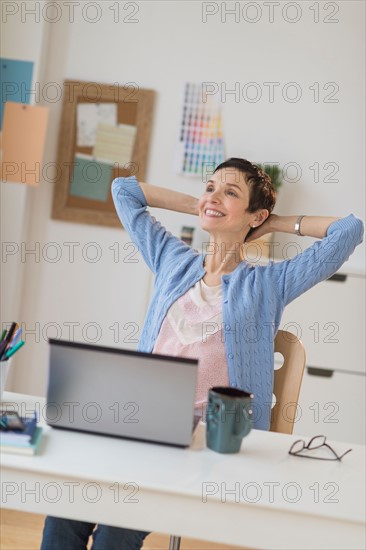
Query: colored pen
{"x": 13, "y": 350}
{"x": 16, "y": 337}
{"x": 3, "y": 334}
{"x": 8, "y": 337}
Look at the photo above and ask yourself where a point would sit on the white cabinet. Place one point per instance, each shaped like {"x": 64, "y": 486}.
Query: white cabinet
{"x": 330, "y": 320}
{"x": 333, "y": 406}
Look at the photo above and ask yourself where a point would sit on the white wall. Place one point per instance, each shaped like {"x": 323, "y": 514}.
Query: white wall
{"x": 167, "y": 46}
{"x": 24, "y": 42}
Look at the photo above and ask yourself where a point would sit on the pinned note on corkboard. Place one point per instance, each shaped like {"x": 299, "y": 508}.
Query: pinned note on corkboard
{"x": 23, "y": 140}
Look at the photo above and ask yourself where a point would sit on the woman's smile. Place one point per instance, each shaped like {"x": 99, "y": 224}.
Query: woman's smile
{"x": 213, "y": 213}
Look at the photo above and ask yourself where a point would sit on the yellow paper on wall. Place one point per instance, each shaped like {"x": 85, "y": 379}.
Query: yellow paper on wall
{"x": 115, "y": 144}
{"x": 23, "y": 140}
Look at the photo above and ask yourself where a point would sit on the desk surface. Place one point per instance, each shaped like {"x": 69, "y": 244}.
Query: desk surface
{"x": 154, "y": 487}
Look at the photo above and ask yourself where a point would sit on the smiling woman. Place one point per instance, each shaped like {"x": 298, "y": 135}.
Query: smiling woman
{"x": 215, "y": 306}
{"x": 217, "y": 291}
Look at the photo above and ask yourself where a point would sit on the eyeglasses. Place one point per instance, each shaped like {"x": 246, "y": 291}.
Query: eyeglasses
{"x": 316, "y": 442}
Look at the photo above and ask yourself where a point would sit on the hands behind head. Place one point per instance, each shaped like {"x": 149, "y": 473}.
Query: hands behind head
{"x": 266, "y": 227}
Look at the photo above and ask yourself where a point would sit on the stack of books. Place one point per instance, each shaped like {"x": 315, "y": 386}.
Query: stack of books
{"x": 19, "y": 435}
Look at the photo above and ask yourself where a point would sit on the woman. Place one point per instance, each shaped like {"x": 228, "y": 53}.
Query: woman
{"x": 214, "y": 305}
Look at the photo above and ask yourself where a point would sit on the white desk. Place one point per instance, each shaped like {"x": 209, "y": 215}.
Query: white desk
{"x": 194, "y": 492}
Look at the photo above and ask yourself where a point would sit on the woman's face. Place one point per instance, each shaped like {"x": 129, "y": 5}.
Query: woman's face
{"x": 223, "y": 206}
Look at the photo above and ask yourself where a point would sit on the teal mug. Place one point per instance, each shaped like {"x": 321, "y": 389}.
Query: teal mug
{"x": 228, "y": 418}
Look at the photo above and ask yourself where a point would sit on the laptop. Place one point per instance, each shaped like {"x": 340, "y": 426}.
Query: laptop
{"x": 121, "y": 393}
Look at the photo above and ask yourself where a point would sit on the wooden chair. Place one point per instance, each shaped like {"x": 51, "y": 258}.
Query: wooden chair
{"x": 286, "y": 388}
{"x": 287, "y": 381}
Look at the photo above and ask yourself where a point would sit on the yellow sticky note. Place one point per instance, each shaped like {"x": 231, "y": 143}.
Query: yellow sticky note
{"x": 115, "y": 144}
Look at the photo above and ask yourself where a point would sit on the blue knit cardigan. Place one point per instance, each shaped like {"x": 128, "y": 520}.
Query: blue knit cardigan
{"x": 253, "y": 297}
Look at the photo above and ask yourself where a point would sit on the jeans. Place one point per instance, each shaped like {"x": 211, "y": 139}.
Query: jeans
{"x": 67, "y": 534}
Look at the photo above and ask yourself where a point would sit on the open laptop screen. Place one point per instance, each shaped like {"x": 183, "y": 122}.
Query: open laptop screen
{"x": 121, "y": 392}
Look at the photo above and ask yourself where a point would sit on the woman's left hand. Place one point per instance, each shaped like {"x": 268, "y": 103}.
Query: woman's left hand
{"x": 263, "y": 229}
{"x": 311, "y": 226}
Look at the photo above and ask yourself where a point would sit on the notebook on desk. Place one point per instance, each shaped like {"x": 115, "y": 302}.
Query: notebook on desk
{"x": 121, "y": 393}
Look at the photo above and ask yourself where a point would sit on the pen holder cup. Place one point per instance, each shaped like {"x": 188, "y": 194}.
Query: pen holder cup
{"x": 4, "y": 371}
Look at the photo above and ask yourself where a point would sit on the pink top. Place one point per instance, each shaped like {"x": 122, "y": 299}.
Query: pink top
{"x": 193, "y": 328}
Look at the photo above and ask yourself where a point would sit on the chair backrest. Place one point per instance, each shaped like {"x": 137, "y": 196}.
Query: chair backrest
{"x": 287, "y": 381}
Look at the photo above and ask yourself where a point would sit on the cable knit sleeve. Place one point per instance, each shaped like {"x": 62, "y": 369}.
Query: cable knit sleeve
{"x": 155, "y": 243}
{"x": 319, "y": 261}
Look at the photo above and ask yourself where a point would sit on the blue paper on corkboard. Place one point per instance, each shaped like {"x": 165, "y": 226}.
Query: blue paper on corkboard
{"x": 16, "y": 82}
{"x": 91, "y": 179}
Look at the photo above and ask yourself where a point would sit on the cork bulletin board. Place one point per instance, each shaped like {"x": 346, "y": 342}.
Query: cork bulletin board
{"x": 104, "y": 134}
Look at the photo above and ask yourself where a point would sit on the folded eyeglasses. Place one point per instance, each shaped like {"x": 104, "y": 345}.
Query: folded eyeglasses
{"x": 300, "y": 448}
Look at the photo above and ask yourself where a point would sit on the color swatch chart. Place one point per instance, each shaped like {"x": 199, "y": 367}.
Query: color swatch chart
{"x": 200, "y": 136}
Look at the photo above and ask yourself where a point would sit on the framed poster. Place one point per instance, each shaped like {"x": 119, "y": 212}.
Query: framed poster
{"x": 104, "y": 134}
